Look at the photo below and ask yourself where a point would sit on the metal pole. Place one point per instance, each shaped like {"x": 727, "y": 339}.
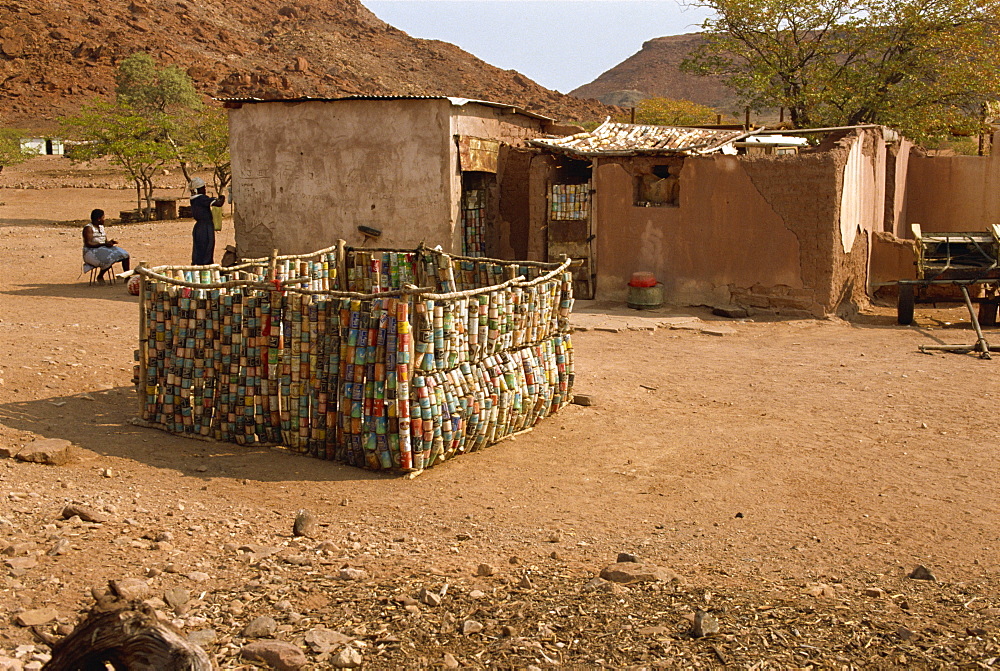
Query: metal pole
{"x": 982, "y": 346}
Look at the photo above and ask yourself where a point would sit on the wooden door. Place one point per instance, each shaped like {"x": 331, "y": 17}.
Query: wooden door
{"x": 569, "y": 224}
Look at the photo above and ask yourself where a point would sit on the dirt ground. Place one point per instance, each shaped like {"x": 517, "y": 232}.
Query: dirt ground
{"x": 792, "y": 474}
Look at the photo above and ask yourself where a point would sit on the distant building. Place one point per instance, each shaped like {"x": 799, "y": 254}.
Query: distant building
{"x": 43, "y": 146}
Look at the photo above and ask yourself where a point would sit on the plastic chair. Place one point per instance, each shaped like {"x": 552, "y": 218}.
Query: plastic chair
{"x": 96, "y": 272}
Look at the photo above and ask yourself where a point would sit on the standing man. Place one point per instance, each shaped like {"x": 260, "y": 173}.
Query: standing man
{"x": 203, "y": 234}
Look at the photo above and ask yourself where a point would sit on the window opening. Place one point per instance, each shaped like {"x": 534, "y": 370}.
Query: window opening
{"x": 659, "y": 187}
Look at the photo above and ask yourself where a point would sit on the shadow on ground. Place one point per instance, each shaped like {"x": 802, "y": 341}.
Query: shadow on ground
{"x": 81, "y": 289}
{"x": 100, "y": 421}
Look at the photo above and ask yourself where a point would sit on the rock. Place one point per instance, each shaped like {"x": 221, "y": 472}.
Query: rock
{"x": 730, "y": 312}
{"x": 19, "y": 549}
{"x": 353, "y": 573}
{"x": 130, "y": 588}
{"x": 554, "y": 537}
{"x": 50, "y": 451}
{"x": 874, "y": 592}
{"x": 300, "y": 64}
{"x": 602, "y": 585}
{"x": 921, "y": 573}
{"x": 629, "y": 572}
{"x": 722, "y": 330}
{"x": 83, "y": 512}
{"x": 430, "y": 598}
{"x": 348, "y": 658}
{"x": 306, "y": 524}
{"x": 477, "y": 594}
{"x": 177, "y": 598}
{"x": 276, "y": 654}
{"x": 202, "y": 637}
{"x": 10, "y": 664}
{"x": 586, "y": 400}
{"x": 60, "y": 547}
{"x": 261, "y": 627}
{"x": 8, "y": 451}
{"x": 975, "y": 632}
{"x": 525, "y": 583}
{"x": 654, "y": 631}
{"x": 471, "y": 627}
{"x": 449, "y": 661}
{"x": 626, "y": 558}
{"x": 39, "y": 616}
{"x": 198, "y": 576}
{"x": 705, "y": 624}
{"x": 326, "y": 640}
{"x": 463, "y": 537}
{"x": 821, "y": 590}
{"x": 554, "y": 555}
{"x": 905, "y": 634}
{"x": 485, "y": 570}
{"x": 21, "y": 564}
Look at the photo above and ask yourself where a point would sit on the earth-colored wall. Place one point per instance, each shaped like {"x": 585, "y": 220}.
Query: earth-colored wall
{"x": 763, "y": 231}
{"x": 952, "y": 193}
{"x": 308, "y": 173}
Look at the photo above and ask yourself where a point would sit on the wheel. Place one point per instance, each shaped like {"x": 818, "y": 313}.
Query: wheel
{"x": 987, "y": 314}
{"x": 904, "y": 307}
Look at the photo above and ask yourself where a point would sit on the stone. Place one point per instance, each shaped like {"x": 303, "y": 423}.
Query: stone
{"x": 177, "y": 598}
{"x": 306, "y": 524}
{"x": 905, "y": 634}
{"x": 34, "y": 618}
{"x": 722, "y": 330}
{"x": 554, "y": 537}
{"x": 49, "y": 451}
{"x": 449, "y": 661}
{"x": 586, "y": 400}
{"x": 471, "y": 627}
{"x": 921, "y": 572}
{"x": 705, "y": 624}
{"x": 874, "y": 592}
{"x": 8, "y": 451}
{"x": 10, "y": 664}
{"x": 730, "y": 312}
{"x": 347, "y": 658}
{"x": 349, "y": 573}
{"x": 525, "y": 583}
{"x": 300, "y": 64}
{"x": 203, "y": 637}
{"x": 21, "y": 564}
{"x": 430, "y": 598}
{"x": 626, "y": 558}
{"x": 323, "y": 640}
{"x": 130, "y": 588}
{"x": 261, "y": 627}
{"x": 60, "y": 547}
{"x": 485, "y": 570}
{"x": 654, "y": 631}
{"x": 630, "y": 572}
{"x": 278, "y": 655}
{"x": 83, "y": 512}
{"x": 198, "y": 576}
{"x": 477, "y": 594}
{"x": 602, "y": 585}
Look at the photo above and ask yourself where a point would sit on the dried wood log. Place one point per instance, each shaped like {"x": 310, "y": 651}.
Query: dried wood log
{"x": 129, "y": 638}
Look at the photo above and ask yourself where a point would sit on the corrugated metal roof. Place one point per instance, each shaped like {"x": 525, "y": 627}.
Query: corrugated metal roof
{"x": 625, "y": 139}
{"x": 458, "y": 102}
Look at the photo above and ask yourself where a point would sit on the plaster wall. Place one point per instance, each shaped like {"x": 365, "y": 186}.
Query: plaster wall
{"x": 952, "y": 193}
{"x": 308, "y": 173}
{"x": 775, "y": 232}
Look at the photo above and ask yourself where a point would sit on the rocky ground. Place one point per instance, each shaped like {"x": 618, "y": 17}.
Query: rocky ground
{"x": 771, "y": 485}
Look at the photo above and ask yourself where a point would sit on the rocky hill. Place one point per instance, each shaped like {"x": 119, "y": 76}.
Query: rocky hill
{"x": 655, "y": 72}
{"x": 58, "y": 54}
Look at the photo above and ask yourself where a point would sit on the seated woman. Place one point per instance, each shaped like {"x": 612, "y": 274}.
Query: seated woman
{"x": 98, "y": 251}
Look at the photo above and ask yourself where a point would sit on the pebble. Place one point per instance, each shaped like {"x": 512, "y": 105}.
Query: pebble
{"x": 49, "y": 451}
{"x": 630, "y": 572}
{"x": 353, "y": 574}
{"x": 306, "y": 524}
{"x": 197, "y": 576}
{"x": 39, "y": 616}
{"x": 471, "y": 627}
{"x": 602, "y": 585}
{"x": 130, "y": 588}
{"x": 83, "y": 512}
{"x": 921, "y": 572}
{"x": 585, "y": 400}
{"x": 485, "y": 570}
{"x": 626, "y": 558}
{"x": 449, "y": 661}
{"x": 554, "y": 537}
{"x": 202, "y": 637}
{"x": 348, "y": 658}
{"x": 430, "y": 598}
{"x": 278, "y": 655}
{"x": 261, "y": 627}
{"x": 323, "y": 640}
{"x": 874, "y": 592}
{"x": 705, "y": 624}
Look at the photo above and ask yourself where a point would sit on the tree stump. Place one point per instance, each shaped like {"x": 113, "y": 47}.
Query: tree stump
{"x": 129, "y": 638}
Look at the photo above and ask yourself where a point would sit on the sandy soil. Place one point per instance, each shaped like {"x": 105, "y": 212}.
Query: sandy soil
{"x": 792, "y": 474}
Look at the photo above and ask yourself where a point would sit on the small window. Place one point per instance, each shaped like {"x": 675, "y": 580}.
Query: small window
{"x": 659, "y": 186}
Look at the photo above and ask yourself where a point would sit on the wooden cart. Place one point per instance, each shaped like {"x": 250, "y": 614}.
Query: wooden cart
{"x": 955, "y": 261}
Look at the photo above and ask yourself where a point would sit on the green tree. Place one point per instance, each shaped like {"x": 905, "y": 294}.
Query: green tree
{"x": 166, "y": 96}
{"x": 667, "y": 112}
{"x": 923, "y": 66}
{"x": 205, "y": 143}
{"x": 11, "y": 151}
{"x": 132, "y": 141}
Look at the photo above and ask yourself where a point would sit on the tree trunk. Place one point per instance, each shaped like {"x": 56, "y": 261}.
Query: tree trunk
{"x": 138, "y": 194}
{"x": 129, "y": 638}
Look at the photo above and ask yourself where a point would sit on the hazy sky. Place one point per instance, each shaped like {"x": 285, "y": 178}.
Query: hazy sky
{"x": 561, "y": 44}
